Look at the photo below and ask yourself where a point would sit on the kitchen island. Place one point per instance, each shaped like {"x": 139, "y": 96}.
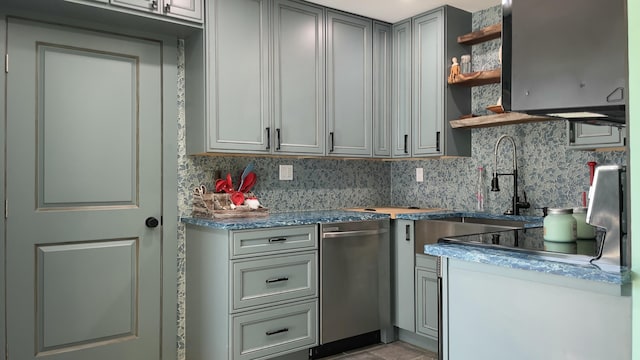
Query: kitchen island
{"x": 506, "y": 304}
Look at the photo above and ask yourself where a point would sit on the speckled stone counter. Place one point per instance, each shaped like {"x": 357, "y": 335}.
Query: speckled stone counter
{"x": 527, "y": 261}
{"x": 530, "y": 221}
{"x": 286, "y": 219}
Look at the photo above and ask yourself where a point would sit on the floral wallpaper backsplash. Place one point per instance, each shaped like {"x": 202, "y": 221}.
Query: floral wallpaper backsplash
{"x": 549, "y": 173}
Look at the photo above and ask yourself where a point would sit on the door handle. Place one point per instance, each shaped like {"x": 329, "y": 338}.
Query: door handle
{"x": 151, "y": 222}
{"x": 407, "y": 232}
{"x": 406, "y": 144}
{"x": 438, "y": 141}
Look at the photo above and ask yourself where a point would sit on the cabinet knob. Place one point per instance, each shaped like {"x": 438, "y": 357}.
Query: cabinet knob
{"x": 167, "y": 8}
{"x": 154, "y": 5}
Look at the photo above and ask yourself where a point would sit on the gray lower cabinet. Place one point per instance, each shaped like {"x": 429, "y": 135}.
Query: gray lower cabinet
{"x": 401, "y": 81}
{"x": 589, "y": 137}
{"x": 403, "y": 276}
{"x": 349, "y": 88}
{"x": 382, "y": 48}
{"x": 426, "y": 296}
{"x": 251, "y": 294}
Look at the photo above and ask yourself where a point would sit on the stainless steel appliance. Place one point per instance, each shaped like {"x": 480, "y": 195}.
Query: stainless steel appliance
{"x": 355, "y": 286}
{"x": 607, "y": 210}
{"x": 566, "y": 59}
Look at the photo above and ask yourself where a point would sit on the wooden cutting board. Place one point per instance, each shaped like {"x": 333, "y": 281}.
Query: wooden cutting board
{"x": 393, "y": 211}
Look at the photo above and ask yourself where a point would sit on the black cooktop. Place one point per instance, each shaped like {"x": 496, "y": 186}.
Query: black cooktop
{"x": 530, "y": 239}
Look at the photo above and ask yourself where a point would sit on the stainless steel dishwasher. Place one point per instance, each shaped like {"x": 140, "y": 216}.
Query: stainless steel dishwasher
{"x": 355, "y": 286}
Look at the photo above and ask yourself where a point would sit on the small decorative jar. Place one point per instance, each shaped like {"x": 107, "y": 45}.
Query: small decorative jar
{"x": 560, "y": 225}
{"x": 585, "y": 231}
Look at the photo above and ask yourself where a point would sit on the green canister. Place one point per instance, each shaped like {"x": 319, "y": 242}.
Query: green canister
{"x": 585, "y": 231}
{"x": 559, "y": 225}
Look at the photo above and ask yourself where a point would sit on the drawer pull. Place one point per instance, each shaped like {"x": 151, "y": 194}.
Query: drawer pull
{"x": 273, "y": 332}
{"x": 270, "y": 281}
{"x": 275, "y": 240}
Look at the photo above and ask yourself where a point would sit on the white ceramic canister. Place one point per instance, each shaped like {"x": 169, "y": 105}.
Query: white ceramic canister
{"x": 585, "y": 231}
{"x": 559, "y": 225}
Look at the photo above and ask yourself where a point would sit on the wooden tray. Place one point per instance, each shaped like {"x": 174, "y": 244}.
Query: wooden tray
{"x": 218, "y": 206}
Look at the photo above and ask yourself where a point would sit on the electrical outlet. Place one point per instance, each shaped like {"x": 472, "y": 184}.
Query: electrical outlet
{"x": 286, "y": 172}
{"x": 419, "y": 175}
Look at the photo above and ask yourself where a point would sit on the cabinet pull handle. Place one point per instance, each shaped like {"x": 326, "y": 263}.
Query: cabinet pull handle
{"x": 273, "y": 332}
{"x": 276, "y": 240}
{"x": 407, "y": 232}
{"x": 270, "y": 281}
{"x": 331, "y": 141}
{"x": 438, "y": 141}
{"x": 406, "y": 143}
{"x": 154, "y": 5}
{"x": 167, "y": 8}
{"x": 268, "y": 138}
{"x": 278, "y": 138}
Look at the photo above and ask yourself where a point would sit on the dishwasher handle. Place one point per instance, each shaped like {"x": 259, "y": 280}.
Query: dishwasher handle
{"x": 339, "y": 234}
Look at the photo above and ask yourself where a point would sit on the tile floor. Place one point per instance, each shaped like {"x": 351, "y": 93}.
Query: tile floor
{"x": 394, "y": 351}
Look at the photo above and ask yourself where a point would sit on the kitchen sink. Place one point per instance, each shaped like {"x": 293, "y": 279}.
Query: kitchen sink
{"x": 431, "y": 230}
{"x": 509, "y": 223}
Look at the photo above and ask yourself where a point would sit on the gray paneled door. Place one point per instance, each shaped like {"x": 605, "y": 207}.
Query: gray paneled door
{"x": 83, "y": 172}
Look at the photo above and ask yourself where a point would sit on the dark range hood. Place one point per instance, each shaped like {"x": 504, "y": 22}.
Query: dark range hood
{"x": 566, "y": 59}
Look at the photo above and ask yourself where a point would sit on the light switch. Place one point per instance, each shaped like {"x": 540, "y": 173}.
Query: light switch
{"x": 419, "y": 174}
{"x": 286, "y": 172}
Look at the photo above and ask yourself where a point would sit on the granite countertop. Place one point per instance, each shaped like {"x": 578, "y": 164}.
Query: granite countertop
{"x": 286, "y": 219}
{"x": 327, "y": 216}
{"x": 513, "y": 259}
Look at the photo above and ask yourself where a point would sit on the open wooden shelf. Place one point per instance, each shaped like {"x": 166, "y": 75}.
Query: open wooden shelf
{"x": 497, "y": 120}
{"x": 478, "y": 78}
{"x": 485, "y": 34}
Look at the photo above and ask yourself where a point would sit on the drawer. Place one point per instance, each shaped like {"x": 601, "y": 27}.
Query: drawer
{"x": 427, "y": 262}
{"x": 262, "y": 241}
{"x": 276, "y": 331}
{"x": 275, "y": 278}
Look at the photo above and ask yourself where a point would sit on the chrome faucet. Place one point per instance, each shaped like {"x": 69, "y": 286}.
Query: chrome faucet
{"x": 516, "y": 204}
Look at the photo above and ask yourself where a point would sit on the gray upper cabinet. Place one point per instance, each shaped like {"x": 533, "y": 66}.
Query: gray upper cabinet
{"x": 349, "y": 89}
{"x": 401, "y": 89}
{"x": 429, "y": 83}
{"x": 434, "y": 103}
{"x": 589, "y": 137}
{"x": 183, "y": 9}
{"x": 382, "y": 48}
{"x": 236, "y": 85}
{"x": 298, "y": 78}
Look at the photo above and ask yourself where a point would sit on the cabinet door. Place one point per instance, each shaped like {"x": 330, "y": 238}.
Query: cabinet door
{"x": 427, "y": 302}
{"x": 381, "y": 89}
{"x": 584, "y": 136}
{"x": 184, "y": 9}
{"x": 401, "y": 90}
{"x": 349, "y": 89}
{"x": 298, "y": 78}
{"x": 428, "y": 86}
{"x": 403, "y": 280}
{"x": 141, "y": 5}
{"x": 237, "y": 83}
